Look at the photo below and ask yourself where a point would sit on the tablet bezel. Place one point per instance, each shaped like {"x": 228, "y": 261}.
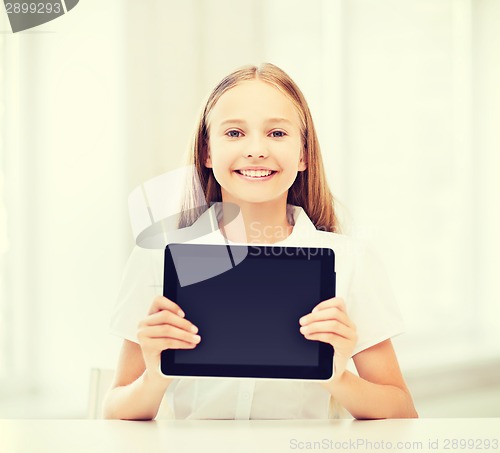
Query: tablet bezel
{"x": 322, "y": 372}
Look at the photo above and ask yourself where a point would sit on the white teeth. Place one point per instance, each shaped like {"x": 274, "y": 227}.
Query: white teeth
{"x": 255, "y": 173}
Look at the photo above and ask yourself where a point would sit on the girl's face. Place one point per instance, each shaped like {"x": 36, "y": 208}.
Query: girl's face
{"x": 255, "y": 146}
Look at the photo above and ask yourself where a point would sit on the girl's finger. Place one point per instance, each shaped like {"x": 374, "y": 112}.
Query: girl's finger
{"x": 329, "y": 327}
{"x": 330, "y": 303}
{"x": 325, "y": 314}
{"x": 338, "y": 343}
{"x": 167, "y": 317}
{"x": 168, "y": 331}
{"x": 162, "y": 303}
{"x": 160, "y": 344}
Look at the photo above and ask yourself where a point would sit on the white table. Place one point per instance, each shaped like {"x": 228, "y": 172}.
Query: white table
{"x": 256, "y": 436}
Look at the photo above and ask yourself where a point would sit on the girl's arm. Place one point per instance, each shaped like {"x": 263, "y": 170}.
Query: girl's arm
{"x": 139, "y": 386}
{"x": 135, "y": 393}
{"x": 379, "y": 391}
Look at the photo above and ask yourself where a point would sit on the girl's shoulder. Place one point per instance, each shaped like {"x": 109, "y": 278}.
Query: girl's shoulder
{"x": 349, "y": 251}
{"x": 338, "y": 238}
{"x": 336, "y": 241}
{"x": 306, "y": 234}
{"x": 144, "y": 260}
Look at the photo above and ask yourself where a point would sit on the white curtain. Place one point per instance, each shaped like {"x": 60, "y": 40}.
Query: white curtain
{"x": 64, "y": 159}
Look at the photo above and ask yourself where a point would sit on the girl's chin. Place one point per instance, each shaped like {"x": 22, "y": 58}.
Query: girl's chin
{"x": 239, "y": 198}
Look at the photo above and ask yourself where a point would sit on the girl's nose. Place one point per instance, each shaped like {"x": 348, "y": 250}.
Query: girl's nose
{"x": 256, "y": 149}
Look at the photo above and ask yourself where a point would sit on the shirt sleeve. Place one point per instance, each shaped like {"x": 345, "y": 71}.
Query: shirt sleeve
{"x": 141, "y": 282}
{"x": 370, "y": 301}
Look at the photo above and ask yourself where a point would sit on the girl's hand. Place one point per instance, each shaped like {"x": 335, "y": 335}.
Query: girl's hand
{"x": 165, "y": 327}
{"x": 328, "y": 322}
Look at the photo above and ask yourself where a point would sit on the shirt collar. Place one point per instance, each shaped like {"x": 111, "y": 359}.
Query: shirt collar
{"x": 206, "y": 228}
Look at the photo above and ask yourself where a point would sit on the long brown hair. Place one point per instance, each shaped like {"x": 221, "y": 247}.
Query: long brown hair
{"x": 309, "y": 190}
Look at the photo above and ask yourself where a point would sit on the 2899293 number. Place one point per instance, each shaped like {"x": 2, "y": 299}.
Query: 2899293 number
{"x": 33, "y": 8}
{"x": 471, "y": 444}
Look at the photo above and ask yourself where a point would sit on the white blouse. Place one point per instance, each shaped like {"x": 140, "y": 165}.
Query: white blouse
{"x": 361, "y": 282}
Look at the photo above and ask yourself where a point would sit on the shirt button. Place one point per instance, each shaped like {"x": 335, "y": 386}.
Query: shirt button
{"x": 245, "y": 395}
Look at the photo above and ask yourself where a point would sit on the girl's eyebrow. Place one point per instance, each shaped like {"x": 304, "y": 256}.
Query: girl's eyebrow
{"x": 267, "y": 121}
{"x": 232, "y": 121}
{"x": 279, "y": 120}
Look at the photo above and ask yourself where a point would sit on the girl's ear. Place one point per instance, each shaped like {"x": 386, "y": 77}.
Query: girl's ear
{"x": 302, "y": 163}
{"x": 208, "y": 160}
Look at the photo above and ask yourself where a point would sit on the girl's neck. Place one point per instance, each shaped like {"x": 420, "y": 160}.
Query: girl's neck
{"x": 264, "y": 223}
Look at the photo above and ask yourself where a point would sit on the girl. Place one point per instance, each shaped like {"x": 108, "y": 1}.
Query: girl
{"x": 256, "y": 147}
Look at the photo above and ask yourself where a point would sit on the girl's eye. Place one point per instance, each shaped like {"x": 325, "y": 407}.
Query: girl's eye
{"x": 233, "y": 134}
{"x": 277, "y": 134}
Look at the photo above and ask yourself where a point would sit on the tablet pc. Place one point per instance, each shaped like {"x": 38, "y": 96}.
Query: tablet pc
{"x": 247, "y": 302}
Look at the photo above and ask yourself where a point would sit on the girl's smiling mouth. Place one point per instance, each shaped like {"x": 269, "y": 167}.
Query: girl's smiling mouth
{"x": 256, "y": 173}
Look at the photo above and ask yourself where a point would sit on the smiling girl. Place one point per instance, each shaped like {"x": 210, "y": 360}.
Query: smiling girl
{"x": 256, "y": 147}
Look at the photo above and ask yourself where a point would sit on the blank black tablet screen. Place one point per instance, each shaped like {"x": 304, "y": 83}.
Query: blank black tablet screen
{"x": 244, "y": 320}
{"x": 247, "y": 308}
